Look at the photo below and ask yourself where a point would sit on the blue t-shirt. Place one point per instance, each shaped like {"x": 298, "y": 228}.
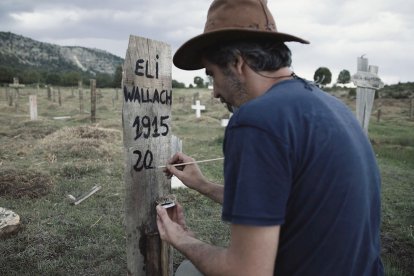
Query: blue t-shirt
{"x": 297, "y": 157}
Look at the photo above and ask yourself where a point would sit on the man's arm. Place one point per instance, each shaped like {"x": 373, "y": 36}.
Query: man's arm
{"x": 252, "y": 249}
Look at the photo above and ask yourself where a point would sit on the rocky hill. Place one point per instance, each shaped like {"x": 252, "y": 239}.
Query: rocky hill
{"x": 19, "y": 52}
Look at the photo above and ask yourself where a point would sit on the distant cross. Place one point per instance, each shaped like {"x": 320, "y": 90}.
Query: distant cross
{"x": 16, "y": 85}
{"x": 197, "y": 107}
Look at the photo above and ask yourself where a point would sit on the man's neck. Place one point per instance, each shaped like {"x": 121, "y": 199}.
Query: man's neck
{"x": 262, "y": 81}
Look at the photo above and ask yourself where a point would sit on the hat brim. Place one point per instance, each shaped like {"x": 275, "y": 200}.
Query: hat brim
{"x": 189, "y": 55}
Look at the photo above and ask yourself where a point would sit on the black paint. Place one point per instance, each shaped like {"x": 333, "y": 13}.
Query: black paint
{"x": 139, "y": 68}
{"x": 143, "y": 163}
{"x": 143, "y": 126}
{"x": 144, "y": 96}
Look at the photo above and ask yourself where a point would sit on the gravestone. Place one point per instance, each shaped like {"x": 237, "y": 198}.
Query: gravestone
{"x": 146, "y": 119}
{"x": 197, "y": 107}
{"x": 367, "y": 81}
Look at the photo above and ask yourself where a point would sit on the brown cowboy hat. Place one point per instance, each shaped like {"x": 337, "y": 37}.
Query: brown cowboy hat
{"x": 230, "y": 20}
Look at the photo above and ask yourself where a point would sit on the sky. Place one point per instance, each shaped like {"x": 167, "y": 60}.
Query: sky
{"x": 339, "y": 30}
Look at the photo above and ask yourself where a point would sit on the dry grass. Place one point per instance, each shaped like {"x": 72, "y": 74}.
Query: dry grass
{"x": 18, "y": 183}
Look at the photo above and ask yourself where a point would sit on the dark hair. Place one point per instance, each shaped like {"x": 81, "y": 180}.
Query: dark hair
{"x": 260, "y": 56}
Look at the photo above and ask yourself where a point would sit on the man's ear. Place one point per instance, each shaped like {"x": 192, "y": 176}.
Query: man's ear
{"x": 238, "y": 66}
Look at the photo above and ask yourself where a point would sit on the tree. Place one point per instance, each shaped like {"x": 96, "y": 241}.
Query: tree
{"x": 71, "y": 78}
{"x": 344, "y": 77}
{"x": 53, "y": 79}
{"x": 117, "y": 77}
{"x": 6, "y": 75}
{"x": 322, "y": 76}
{"x": 177, "y": 84}
{"x": 199, "y": 82}
{"x": 104, "y": 80}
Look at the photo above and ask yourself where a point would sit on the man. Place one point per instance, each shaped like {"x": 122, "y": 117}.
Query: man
{"x": 302, "y": 187}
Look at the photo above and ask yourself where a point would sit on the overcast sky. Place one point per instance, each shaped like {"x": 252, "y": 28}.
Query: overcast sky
{"x": 339, "y": 30}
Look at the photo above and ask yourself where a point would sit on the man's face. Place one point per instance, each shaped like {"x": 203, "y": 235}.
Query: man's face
{"x": 226, "y": 85}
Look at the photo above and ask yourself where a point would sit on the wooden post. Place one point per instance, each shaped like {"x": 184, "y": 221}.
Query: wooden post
{"x": 379, "y": 109}
{"x": 10, "y": 97}
{"x": 116, "y": 94}
{"x": 93, "y": 100}
{"x": 411, "y": 108}
{"x": 146, "y": 117}
{"x": 33, "y": 107}
{"x": 49, "y": 93}
{"x": 73, "y": 93}
{"x": 54, "y": 95}
{"x": 59, "y": 97}
{"x": 80, "y": 97}
{"x": 16, "y": 99}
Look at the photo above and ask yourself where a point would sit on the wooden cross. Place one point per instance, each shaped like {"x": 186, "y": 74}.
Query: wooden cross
{"x": 197, "y": 107}
{"x": 367, "y": 81}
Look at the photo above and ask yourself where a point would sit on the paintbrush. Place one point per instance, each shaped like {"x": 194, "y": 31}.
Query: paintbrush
{"x": 193, "y": 162}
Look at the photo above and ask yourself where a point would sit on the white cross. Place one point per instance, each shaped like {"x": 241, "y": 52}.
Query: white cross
{"x": 198, "y": 108}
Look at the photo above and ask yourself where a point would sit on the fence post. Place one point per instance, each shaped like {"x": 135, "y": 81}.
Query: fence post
{"x": 411, "y": 108}
{"x": 146, "y": 117}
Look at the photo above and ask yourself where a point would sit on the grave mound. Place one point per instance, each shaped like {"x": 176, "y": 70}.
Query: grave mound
{"x": 84, "y": 142}
{"x": 18, "y": 183}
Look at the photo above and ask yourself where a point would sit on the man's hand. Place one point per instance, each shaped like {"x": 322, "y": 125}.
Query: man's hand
{"x": 190, "y": 175}
{"x": 171, "y": 224}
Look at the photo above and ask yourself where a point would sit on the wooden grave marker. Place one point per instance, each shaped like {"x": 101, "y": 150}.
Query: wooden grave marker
{"x": 16, "y": 85}
{"x": 33, "y": 107}
{"x": 198, "y": 107}
{"x": 80, "y": 84}
{"x": 146, "y": 117}
{"x": 59, "y": 97}
{"x": 93, "y": 100}
{"x": 367, "y": 81}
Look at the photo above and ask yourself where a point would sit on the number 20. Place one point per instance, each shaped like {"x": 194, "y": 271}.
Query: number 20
{"x": 143, "y": 163}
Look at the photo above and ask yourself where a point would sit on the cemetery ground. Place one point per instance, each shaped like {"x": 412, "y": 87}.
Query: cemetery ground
{"x": 43, "y": 161}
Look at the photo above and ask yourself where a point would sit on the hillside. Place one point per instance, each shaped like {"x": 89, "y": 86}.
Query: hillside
{"x": 19, "y": 52}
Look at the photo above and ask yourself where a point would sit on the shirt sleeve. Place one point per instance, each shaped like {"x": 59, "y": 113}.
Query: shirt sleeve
{"x": 257, "y": 174}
